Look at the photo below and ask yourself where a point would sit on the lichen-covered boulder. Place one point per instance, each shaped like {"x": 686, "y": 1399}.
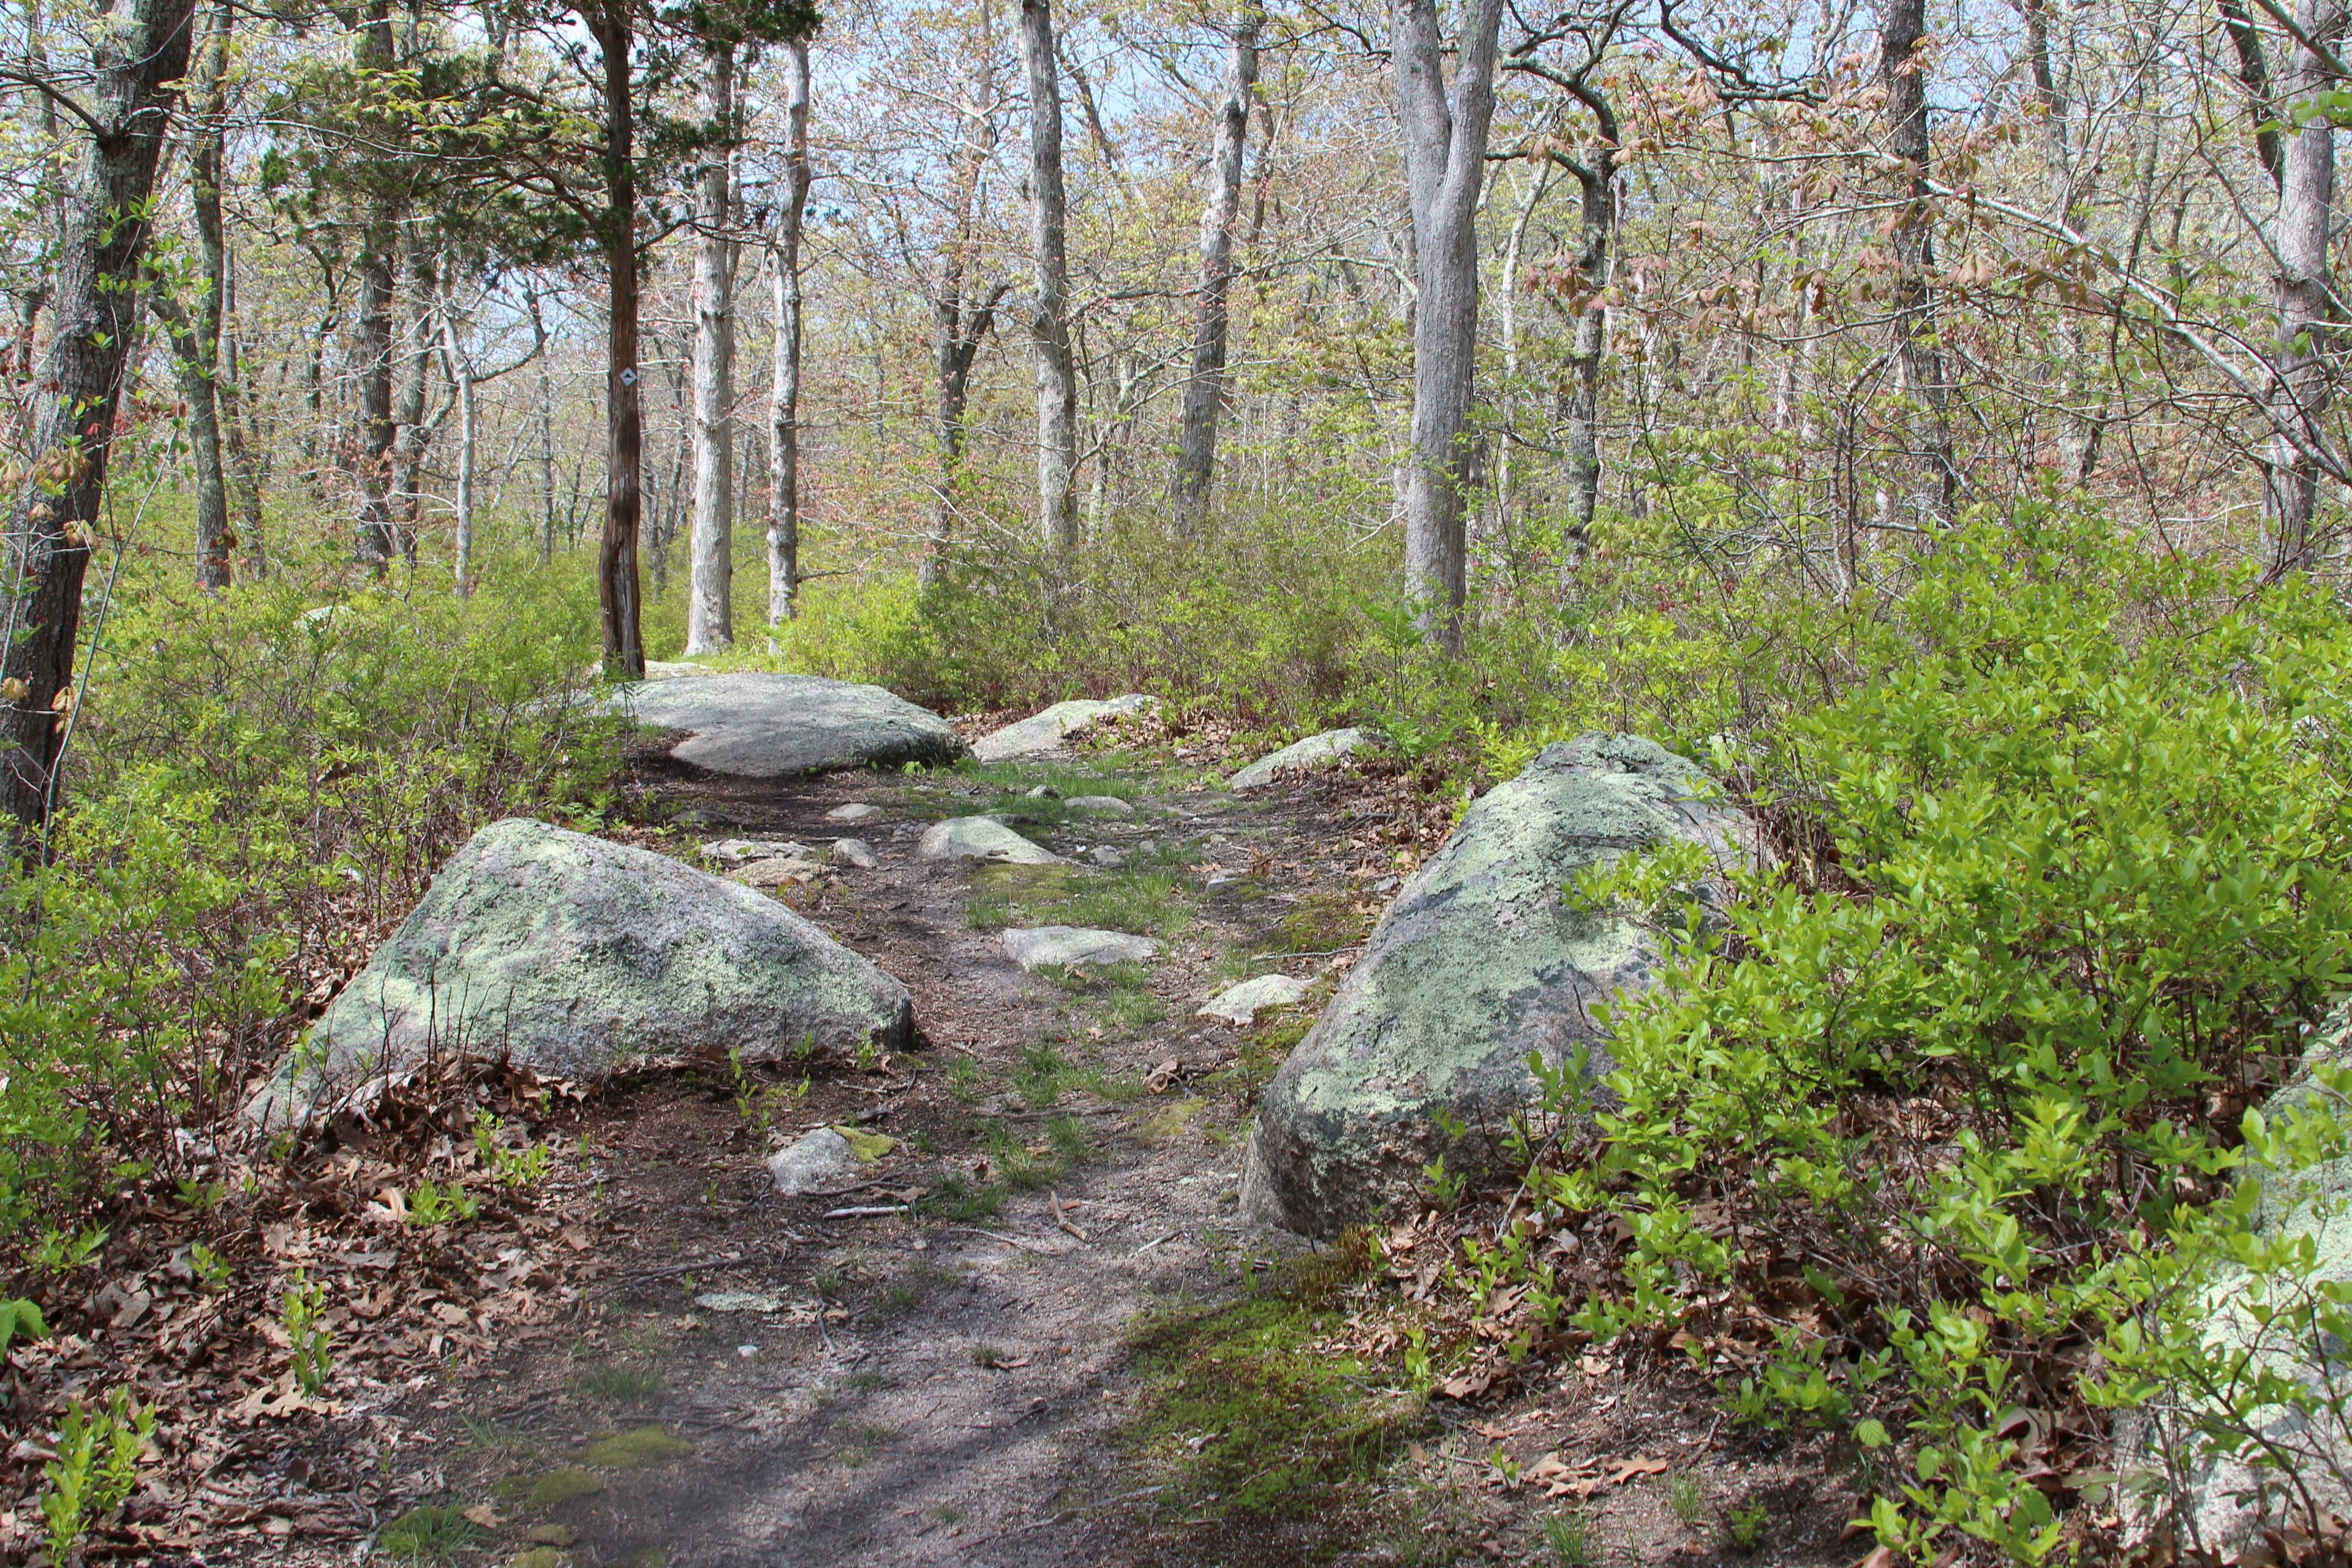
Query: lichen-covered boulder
{"x": 2221, "y": 1503}
{"x": 757, "y": 725}
{"x": 1478, "y": 962}
{"x": 574, "y": 957}
{"x": 1037, "y": 946}
{"x": 1045, "y": 732}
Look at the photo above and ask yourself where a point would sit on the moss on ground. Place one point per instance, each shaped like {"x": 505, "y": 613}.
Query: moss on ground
{"x": 557, "y": 1487}
{"x": 1322, "y": 922}
{"x": 635, "y": 1450}
{"x": 1146, "y": 901}
{"x": 1247, "y": 1410}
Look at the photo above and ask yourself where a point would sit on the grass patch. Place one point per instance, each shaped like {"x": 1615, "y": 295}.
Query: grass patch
{"x": 636, "y": 1448}
{"x": 1245, "y": 1412}
{"x": 617, "y": 1383}
{"x": 429, "y": 1534}
{"x": 1171, "y": 1121}
{"x": 1141, "y": 901}
{"x": 1322, "y": 922}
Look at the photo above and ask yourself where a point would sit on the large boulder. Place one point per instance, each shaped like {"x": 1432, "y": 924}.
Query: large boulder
{"x": 1478, "y": 962}
{"x": 2222, "y": 1503}
{"x": 574, "y": 957}
{"x": 762, "y": 726}
{"x": 1042, "y": 732}
{"x": 1303, "y": 756}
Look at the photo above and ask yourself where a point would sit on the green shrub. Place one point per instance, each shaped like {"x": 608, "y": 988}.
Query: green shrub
{"x": 1967, "y": 1071}
{"x": 259, "y": 784}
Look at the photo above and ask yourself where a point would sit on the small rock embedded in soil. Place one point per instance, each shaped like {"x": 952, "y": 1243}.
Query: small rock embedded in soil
{"x": 854, "y": 852}
{"x": 1109, "y": 803}
{"x": 1075, "y": 944}
{"x": 853, "y": 811}
{"x": 739, "y": 1302}
{"x": 980, "y": 838}
{"x": 1105, "y": 855}
{"x": 814, "y": 1159}
{"x": 776, "y": 872}
{"x": 1240, "y": 1004}
{"x": 732, "y": 852}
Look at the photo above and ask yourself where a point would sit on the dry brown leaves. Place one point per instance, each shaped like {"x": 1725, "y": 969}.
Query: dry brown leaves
{"x": 184, "y": 1307}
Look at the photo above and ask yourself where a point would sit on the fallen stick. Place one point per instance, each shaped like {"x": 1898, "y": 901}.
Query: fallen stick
{"x": 866, "y": 1211}
{"x": 1009, "y": 1240}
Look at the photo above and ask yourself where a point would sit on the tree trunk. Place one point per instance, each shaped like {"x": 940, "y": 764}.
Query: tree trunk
{"x": 2301, "y": 292}
{"x": 546, "y": 433}
{"x": 784, "y": 398}
{"x": 1204, "y": 390}
{"x": 1580, "y": 389}
{"x": 461, "y": 376}
{"x": 420, "y": 274}
{"x": 105, "y": 217}
{"x": 1049, "y": 326}
{"x": 618, "y": 593}
{"x": 378, "y": 265}
{"x": 1918, "y": 345}
{"x": 195, "y": 332}
{"x": 958, "y": 327}
{"x": 240, "y": 430}
{"x": 1446, "y": 166}
{"x": 711, "y": 585}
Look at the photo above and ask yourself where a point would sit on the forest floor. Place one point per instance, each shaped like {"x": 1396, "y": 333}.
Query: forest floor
{"x": 1037, "y": 1334}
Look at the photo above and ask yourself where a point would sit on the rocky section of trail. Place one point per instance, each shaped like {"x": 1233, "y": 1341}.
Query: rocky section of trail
{"x": 764, "y": 726}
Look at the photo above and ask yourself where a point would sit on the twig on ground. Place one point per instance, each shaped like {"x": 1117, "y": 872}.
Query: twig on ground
{"x": 866, "y": 1211}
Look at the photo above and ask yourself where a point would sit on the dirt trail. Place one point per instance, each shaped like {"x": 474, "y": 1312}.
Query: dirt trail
{"x": 938, "y": 1387}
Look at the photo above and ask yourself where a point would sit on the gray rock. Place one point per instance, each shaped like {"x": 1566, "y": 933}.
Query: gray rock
{"x": 1240, "y": 1004}
{"x": 1301, "y": 756}
{"x": 740, "y": 1301}
{"x": 776, "y": 871}
{"x": 853, "y": 811}
{"x": 732, "y": 852}
{"x": 2221, "y": 1502}
{"x": 1075, "y": 944}
{"x": 854, "y": 852}
{"x": 1105, "y": 854}
{"x": 1105, "y": 802}
{"x": 574, "y": 957}
{"x": 814, "y": 1160}
{"x": 756, "y": 725}
{"x": 1042, "y": 732}
{"x": 1477, "y": 963}
{"x": 980, "y": 838}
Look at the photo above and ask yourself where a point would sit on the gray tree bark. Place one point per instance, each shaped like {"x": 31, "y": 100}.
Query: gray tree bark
{"x": 1205, "y": 389}
{"x": 378, "y": 268}
{"x": 1049, "y": 325}
{"x": 785, "y": 398}
{"x": 1445, "y": 168}
{"x": 2302, "y": 294}
{"x": 959, "y": 326}
{"x": 105, "y": 218}
{"x": 619, "y": 592}
{"x": 462, "y": 375}
{"x": 1917, "y": 343}
{"x": 711, "y": 585}
{"x": 194, "y": 331}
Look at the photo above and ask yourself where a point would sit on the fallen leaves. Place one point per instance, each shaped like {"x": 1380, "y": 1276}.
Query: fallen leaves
{"x": 1587, "y": 1477}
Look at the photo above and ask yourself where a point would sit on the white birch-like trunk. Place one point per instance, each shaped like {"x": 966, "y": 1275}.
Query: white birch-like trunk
{"x": 784, "y": 398}
{"x": 710, "y": 588}
{"x": 461, "y": 376}
{"x": 2300, "y": 294}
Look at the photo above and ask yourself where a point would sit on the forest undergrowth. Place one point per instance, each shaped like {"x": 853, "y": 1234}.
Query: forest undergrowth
{"x": 1940, "y": 1141}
